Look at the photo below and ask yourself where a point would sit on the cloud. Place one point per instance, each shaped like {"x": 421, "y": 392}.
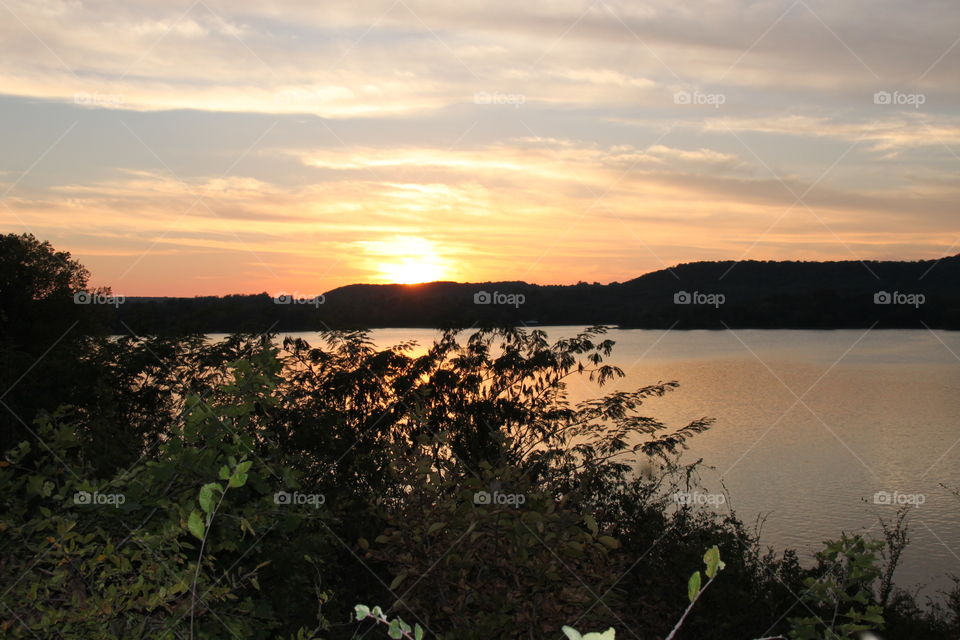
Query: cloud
{"x": 397, "y": 58}
{"x": 884, "y": 133}
{"x": 537, "y": 139}
{"x": 475, "y": 208}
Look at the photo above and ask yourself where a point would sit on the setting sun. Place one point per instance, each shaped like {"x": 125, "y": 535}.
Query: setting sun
{"x": 411, "y": 271}
{"x": 407, "y": 260}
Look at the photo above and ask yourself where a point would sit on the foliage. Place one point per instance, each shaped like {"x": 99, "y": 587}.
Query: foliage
{"x": 841, "y": 598}
{"x": 402, "y": 499}
{"x": 480, "y": 570}
{"x": 396, "y": 628}
{"x": 399, "y": 629}
{"x": 459, "y": 485}
{"x": 127, "y": 565}
{"x": 41, "y": 331}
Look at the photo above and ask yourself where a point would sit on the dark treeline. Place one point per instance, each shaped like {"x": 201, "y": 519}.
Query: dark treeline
{"x": 751, "y": 294}
{"x": 172, "y": 487}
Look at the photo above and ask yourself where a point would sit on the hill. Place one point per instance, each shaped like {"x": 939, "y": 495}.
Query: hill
{"x": 698, "y": 295}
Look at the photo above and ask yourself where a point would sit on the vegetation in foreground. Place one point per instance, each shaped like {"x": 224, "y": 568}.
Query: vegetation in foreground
{"x": 169, "y": 487}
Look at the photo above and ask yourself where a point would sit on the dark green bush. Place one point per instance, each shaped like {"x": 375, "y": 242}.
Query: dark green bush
{"x": 401, "y": 449}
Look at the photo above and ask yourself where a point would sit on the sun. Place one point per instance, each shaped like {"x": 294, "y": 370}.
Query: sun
{"x": 408, "y": 260}
{"x": 412, "y": 271}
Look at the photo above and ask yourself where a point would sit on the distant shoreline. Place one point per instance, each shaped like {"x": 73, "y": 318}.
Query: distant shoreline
{"x": 701, "y": 295}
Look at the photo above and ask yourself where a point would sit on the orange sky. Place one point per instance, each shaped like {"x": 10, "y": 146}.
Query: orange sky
{"x": 182, "y": 148}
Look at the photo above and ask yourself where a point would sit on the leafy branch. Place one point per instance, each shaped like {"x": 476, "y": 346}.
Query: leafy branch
{"x": 396, "y": 628}
{"x": 713, "y": 566}
{"x": 199, "y": 524}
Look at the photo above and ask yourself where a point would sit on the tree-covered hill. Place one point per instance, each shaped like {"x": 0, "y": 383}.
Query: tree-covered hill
{"x": 699, "y": 295}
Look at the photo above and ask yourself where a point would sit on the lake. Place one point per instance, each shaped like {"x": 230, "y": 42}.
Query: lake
{"x": 810, "y": 425}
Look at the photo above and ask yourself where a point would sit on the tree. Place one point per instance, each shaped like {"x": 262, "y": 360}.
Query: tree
{"x": 34, "y": 278}
{"x": 41, "y": 330}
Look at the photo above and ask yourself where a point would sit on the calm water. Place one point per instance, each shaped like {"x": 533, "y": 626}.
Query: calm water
{"x": 810, "y": 425}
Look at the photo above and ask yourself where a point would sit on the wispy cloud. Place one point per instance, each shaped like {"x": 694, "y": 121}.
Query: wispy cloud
{"x": 480, "y": 132}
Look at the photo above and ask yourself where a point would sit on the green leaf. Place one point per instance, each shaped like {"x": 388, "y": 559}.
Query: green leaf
{"x": 609, "y": 542}
{"x": 394, "y": 630}
{"x": 693, "y": 586}
{"x": 609, "y": 634}
{"x": 35, "y": 485}
{"x": 571, "y": 633}
{"x": 712, "y": 559}
{"x": 246, "y": 526}
{"x": 591, "y": 524}
{"x": 417, "y": 632}
{"x": 434, "y": 527}
{"x": 224, "y": 472}
{"x": 362, "y": 611}
{"x": 206, "y": 496}
{"x": 396, "y": 581}
{"x": 195, "y": 524}
{"x": 237, "y": 479}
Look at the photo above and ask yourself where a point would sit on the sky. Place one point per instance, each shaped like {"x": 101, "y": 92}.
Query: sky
{"x": 230, "y": 146}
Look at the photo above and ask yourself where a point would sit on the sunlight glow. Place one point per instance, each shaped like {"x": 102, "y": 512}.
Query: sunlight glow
{"x": 408, "y": 260}
{"x": 411, "y": 271}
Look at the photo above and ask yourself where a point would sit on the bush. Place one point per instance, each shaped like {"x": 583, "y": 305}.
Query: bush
{"x": 460, "y": 486}
{"x": 114, "y": 558}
